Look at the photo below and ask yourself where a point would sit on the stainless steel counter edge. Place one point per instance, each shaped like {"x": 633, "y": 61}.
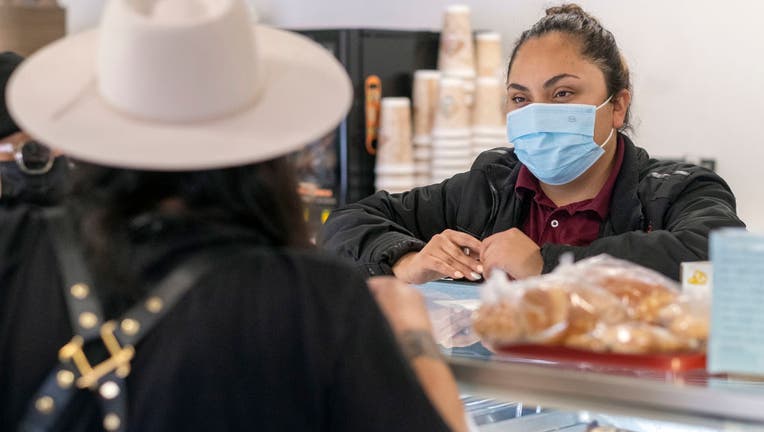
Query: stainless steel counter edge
{"x": 585, "y": 390}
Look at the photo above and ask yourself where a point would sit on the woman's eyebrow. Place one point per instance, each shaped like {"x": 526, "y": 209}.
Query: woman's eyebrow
{"x": 549, "y": 83}
{"x": 552, "y": 81}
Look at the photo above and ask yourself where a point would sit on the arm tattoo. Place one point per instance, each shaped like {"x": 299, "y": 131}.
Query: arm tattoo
{"x": 417, "y": 343}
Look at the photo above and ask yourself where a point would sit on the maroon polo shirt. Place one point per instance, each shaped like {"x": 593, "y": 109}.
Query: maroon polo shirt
{"x": 576, "y": 224}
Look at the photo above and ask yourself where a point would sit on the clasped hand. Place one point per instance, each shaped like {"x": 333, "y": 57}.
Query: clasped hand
{"x": 461, "y": 256}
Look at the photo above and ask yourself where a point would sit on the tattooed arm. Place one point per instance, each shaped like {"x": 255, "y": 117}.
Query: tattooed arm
{"x": 405, "y": 310}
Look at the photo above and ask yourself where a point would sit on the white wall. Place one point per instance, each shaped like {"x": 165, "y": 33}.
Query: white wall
{"x": 698, "y": 68}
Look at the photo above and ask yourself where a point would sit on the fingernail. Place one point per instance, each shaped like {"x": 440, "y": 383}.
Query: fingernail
{"x": 466, "y": 251}
{"x": 458, "y": 275}
{"x": 480, "y": 268}
{"x": 475, "y": 275}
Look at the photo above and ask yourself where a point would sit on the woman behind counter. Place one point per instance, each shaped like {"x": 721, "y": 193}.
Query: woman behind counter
{"x": 269, "y": 335}
{"x": 574, "y": 182}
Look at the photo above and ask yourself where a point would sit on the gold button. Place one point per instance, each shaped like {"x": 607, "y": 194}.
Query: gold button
{"x": 130, "y": 326}
{"x": 88, "y": 320}
{"x": 154, "y": 304}
{"x": 109, "y": 390}
{"x": 111, "y": 422}
{"x": 65, "y": 379}
{"x": 44, "y": 404}
{"x": 80, "y": 291}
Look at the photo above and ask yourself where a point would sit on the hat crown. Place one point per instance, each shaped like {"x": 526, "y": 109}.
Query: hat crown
{"x": 177, "y": 60}
{"x": 184, "y": 11}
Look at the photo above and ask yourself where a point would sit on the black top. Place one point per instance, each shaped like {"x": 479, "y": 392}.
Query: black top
{"x": 271, "y": 340}
{"x": 661, "y": 214}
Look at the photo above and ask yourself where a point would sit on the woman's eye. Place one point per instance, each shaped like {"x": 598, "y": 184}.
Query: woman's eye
{"x": 562, "y": 94}
{"x": 518, "y": 99}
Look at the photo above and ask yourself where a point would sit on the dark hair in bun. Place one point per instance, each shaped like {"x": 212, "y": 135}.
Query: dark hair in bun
{"x": 569, "y": 8}
{"x": 597, "y": 44}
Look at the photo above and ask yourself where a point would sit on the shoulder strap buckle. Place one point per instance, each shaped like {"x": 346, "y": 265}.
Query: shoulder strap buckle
{"x": 118, "y": 362}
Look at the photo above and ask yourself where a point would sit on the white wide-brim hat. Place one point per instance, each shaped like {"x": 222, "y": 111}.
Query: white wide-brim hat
{"x": 179, "y": 85}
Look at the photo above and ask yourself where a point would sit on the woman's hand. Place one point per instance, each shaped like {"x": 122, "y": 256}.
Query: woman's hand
{"x": 513, "y": 252}
{"x": 443, "y": 256}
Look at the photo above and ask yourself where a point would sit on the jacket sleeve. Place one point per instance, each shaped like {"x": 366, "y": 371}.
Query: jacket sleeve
{"x": 704, "y": 204}
{"x": 377, "y": 231}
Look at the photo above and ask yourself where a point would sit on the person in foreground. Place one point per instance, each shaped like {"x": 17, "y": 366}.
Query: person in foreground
{"x": 29, "y": 171}
{"x": 175, "y": 289}
{"x": 574, "y": 181}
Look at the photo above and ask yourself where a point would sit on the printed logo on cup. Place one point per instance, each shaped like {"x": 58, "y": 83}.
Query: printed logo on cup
{"x": 452, "y": 44}
{"x": 448, "y": 106}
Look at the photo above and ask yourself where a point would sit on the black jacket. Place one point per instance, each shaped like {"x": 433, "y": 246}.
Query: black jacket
{"x": 661, "y": 214}
{"x": 273, "y": 339}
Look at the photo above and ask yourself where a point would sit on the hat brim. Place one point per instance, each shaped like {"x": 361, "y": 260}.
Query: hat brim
{"x": 305, "y": 93}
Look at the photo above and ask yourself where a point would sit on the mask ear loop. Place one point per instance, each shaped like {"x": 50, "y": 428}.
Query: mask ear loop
{"x": 602, "y": 146}
{"x": 612, "y": 130}
{"x": 603, "y": 103}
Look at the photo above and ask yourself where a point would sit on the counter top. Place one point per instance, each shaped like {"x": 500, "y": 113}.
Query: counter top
{"x": 687, "y": 398}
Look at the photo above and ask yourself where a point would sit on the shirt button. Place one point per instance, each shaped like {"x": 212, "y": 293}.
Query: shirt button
{"x": 555, "y": 223}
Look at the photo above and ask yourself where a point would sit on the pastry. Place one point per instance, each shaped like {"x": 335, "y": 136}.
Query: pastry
{"x": 544, "y": 314}
{"x": 498, "y": 323}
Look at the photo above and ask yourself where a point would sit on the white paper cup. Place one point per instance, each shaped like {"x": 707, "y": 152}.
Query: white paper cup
{"x": 394, "y": 145}
{"x": 450, "y": 153}
{"x": 451, "y": 134}
{"x": 456, "y": 51}
{"x": 394, "y": 169}
{"x": 453, "y": 108}
{"x": 426, "y": 90}
{"x": 496, "y": 131}
{"x": 451, "y": 144}
{"x": 488, "y": 55}
{"x": 422, "y": 153}
{"x": 403, "y": 181}
{"x": 422, "y": 140}
{"x": 488, "y": 110}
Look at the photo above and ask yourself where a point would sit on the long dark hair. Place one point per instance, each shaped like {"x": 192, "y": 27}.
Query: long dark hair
{"x": 597, "y": 44}
{"x": 261, "y": 197}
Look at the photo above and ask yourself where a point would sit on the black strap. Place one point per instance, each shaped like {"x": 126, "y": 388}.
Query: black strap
{"x": 120, "y": 337}
{"x": 84, "y": 307}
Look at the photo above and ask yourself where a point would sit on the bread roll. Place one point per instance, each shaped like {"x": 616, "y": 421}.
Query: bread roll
{"x": 498, "y": 323}
{"x": 590, "y": 306}
{"x": 544, "y": 314}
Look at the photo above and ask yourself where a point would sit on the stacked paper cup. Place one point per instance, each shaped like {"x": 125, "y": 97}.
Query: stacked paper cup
{"x": 488, "y": 111}
{"x": 488, "y": 121}
{"x": 451, "y": 152}
{"x": 426, "y": 88}
{"x": 489, "y": 57}
{"x": 456, "y": 56}
{"x": 451, "y": 148}
{"x": 395, "y": 159}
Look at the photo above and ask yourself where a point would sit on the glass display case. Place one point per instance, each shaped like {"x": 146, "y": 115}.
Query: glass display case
{"x": 511, "y": 393}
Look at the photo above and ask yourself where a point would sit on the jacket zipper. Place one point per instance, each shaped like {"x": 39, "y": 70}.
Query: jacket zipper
{"x": 494, "y": 209}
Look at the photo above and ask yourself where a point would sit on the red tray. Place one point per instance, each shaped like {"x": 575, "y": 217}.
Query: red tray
{"x": 678, "y": 362}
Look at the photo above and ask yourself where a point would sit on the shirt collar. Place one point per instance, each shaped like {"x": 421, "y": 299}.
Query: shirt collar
{"x": 528, "y": 185}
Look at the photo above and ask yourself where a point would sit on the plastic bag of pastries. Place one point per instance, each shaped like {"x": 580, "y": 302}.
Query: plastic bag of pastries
{"x": 644, "y": 292}
{"x": 631, "y": 338}
{"x": 544, "y": 310}
{"x": 600, "y": 304}
{"x": 689, "y": 317}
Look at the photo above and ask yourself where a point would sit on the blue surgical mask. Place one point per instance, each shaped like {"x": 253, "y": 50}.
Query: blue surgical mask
{"x": 556, "y": 141}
